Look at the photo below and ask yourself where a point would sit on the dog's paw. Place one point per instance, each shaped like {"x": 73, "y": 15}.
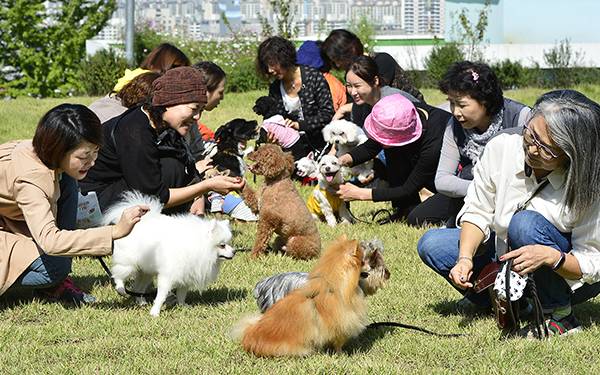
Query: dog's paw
{"x": 155, "y": 311}
{"x": 120, "y": 288}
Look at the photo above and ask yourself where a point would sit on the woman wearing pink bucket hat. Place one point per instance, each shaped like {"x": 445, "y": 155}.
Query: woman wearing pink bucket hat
{"x": 410, "y": 134}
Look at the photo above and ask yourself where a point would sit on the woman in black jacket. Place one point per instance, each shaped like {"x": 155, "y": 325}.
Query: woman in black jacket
{"x": 301, "y": 92}
{"x": 411, "y": 136}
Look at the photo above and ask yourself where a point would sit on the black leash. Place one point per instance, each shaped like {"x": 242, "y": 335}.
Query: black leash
{"x": 131, "y": 293}
{"x": 401, "y": 325}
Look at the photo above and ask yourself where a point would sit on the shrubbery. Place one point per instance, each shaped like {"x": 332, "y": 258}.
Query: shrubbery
{"x": 236, "y": 54}
{"x": 99, "y": 73}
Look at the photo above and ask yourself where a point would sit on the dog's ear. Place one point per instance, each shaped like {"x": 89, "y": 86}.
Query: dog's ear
{"x": 311, "y": 156}
{"x": 224, "y": 131}
{"x": 225, "y": 173}
{"x": 289, "y": 160}
{"x": 327, "y": 133}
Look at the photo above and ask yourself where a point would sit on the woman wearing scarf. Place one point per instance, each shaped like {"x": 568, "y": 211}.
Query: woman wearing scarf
{"x": 480, "y": 112}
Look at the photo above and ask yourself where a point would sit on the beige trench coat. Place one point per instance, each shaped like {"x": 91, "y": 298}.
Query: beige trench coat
{"x": 28, "y": 194}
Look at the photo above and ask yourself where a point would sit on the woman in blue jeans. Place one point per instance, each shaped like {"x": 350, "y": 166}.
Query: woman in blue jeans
{"x": 552, "y": 168}
{"x": 38, "y": 202}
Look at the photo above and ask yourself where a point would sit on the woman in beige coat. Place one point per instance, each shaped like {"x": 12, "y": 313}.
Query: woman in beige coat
{"x": 35, "y": 249}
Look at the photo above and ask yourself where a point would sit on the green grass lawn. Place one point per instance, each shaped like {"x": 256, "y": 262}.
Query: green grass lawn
{"x": 115, "y": 336}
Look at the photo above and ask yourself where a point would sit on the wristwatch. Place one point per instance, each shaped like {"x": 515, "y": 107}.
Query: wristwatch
{"x": 560, "y": 262}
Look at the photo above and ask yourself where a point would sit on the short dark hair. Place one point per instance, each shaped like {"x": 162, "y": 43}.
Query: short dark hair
{"x": 367, "y": 69}
{"x": 213, "y": 74}
{"x": 164, "y": 57}
{"x": 138, "y": 90}
{"x": 275, "y": 50}
{"x": 341, "y": 47}
{"x": 477, "y": 80}
{"x": 62, "y": 129}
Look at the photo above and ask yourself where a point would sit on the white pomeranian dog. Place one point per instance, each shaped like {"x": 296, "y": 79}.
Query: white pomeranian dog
{"x": 325, "y": 205}
{"x": 344, "y": 136}
{"x": 183, "y": 251}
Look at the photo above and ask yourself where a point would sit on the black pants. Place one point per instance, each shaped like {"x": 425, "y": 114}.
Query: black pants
{"x": 433, "y": 210}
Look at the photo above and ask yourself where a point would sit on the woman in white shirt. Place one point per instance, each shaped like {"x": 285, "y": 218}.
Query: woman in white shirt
{"x": 557, "y": 236}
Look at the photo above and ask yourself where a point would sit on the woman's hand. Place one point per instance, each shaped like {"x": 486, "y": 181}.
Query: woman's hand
{"x": 529, "y": 258}
{"x": 345, "y": 159}
{"x": 197, "y": 207}
{"x": 292, "y": 124}
{"x": 342, "y": 111}
{"x": 272, "y": 139}
{"x": 203, "y": 165}
{"x": 461, "y": 273}
{"x": 350, "y": 192}
{"x": 223, "y": 185}
{"x": 129, "y": 218}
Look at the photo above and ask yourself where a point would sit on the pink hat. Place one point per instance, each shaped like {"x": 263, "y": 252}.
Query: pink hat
{"x": 394, "y": 121}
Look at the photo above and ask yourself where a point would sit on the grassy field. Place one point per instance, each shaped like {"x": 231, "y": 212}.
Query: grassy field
{"x": 115, "y": 336}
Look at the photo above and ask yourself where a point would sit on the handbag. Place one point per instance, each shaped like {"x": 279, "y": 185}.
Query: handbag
{"x": 506, "y": 316}
{"x": 500, "y": 275}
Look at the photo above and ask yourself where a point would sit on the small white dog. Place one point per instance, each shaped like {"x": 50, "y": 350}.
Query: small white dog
{"x": 323, "y": 204}
{"x": 182, "y": 250}
{"x": 306, "y": 168}
{"x": 344, "y": 136}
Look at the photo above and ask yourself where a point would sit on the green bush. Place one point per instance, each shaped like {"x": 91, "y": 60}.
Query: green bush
{"x": 99, "y": 73}
{"x": 244, "y": 78}
{"x": 439, "y": 59}
{"x": 511, "y": 74}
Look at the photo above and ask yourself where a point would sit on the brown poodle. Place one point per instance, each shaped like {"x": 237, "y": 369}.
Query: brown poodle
{"x": 280, "y": 207}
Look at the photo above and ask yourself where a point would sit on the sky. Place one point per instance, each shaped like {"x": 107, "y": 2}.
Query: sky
{"x": 536, "y": 21}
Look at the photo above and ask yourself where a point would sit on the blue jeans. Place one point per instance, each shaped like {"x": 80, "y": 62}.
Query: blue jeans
{"x": 438, "y": 248}
{"x": 530, "y": 228}
{"x": 49, "y": 271}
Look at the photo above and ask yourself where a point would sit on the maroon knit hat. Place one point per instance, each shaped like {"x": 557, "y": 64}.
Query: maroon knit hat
{"x": 179, "y": 86}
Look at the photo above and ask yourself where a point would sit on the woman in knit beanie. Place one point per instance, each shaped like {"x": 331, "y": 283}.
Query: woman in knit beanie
{"x": 144, "y": 148}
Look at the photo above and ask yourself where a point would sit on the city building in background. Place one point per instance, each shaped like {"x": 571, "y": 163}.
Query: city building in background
{"x": 312, "y": 17}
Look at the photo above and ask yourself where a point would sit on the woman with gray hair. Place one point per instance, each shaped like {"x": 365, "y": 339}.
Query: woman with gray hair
{"x": 551, "y": 168}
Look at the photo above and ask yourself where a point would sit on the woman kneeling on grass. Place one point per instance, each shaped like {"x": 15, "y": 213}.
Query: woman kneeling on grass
{"x": 556, "y": 237}
{"x": 37, "y": 228}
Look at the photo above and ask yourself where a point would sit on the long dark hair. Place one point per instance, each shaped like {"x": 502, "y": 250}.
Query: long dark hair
{"x": 367, "y": 69}
{"x": 341, "y": 47}
{"x": 212, "y": 73}
{"x": 164, "y": 57}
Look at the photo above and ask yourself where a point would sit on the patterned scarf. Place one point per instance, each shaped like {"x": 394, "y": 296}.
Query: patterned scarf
{"x": 475, "y": 143}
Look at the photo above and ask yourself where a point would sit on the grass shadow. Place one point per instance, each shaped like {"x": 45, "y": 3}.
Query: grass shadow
{"x": 364, "y": 342}
{"x": 218, "y": 296}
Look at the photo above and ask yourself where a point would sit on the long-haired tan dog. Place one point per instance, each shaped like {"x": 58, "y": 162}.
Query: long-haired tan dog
{"x": 327, "y": 310}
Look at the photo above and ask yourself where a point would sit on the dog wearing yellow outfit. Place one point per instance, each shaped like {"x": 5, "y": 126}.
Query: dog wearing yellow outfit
{"x": 323, "y": 204}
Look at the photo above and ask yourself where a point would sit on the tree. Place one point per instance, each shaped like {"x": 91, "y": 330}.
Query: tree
{"x": 440, "y": 58}
{"x": 473, "y": 34}
{"x": 364, "y": 28}
{"x": 285, "y": 19}
{"x": 46, "y": 47}
{"x": 564, "y": 69}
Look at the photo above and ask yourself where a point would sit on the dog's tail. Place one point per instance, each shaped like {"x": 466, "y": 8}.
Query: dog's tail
{"x": 112, "y": 215}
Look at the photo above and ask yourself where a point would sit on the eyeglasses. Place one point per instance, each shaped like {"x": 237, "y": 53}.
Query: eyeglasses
{"x": 543, "y": 150}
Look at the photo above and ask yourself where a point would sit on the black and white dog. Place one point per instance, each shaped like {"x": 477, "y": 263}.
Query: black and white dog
{"x": 232, "y": 141}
